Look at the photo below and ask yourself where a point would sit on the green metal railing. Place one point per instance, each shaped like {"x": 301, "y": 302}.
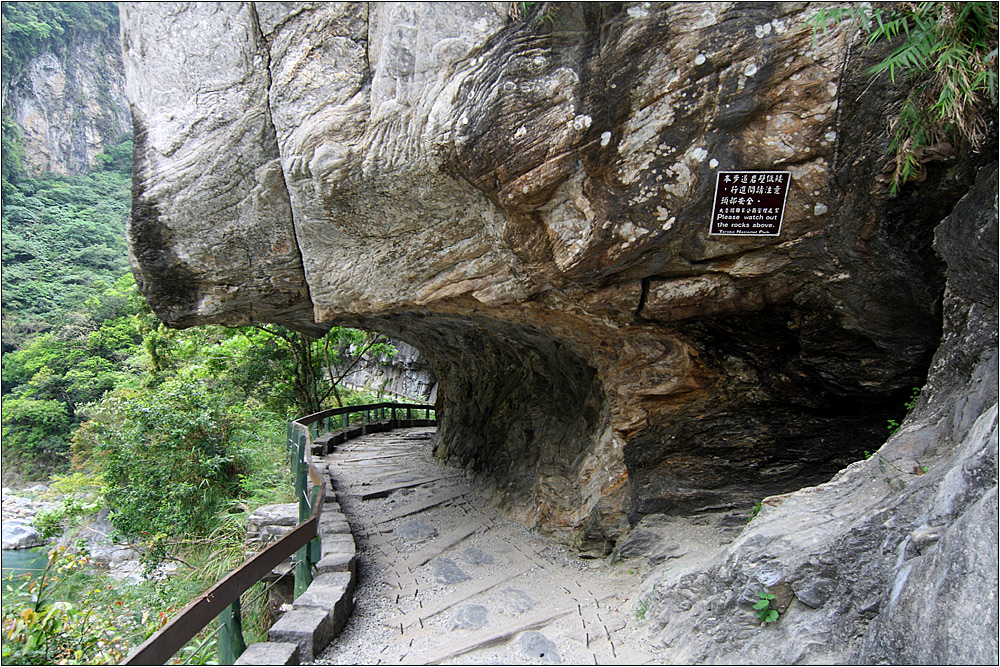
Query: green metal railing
{"x": 222, "y": 601}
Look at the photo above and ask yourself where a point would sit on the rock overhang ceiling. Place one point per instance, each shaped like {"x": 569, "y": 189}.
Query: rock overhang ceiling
{"x": 527, "y": 202}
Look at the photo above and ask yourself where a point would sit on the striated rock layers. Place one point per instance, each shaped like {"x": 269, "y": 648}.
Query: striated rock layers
{"x": 526, "y": 199}
{"x": 404, "y": 374}
{"x": 70, "y": 103}
{"x": 895, "y": 560}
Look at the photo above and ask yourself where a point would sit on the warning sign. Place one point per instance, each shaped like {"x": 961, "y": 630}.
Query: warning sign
{"x": 750, "y": 203}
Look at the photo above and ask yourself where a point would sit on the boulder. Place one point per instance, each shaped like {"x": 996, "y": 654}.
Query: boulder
{"x": 101, "y": 547}
{"x": 271, "y": 522}
{"x": 525, "y": 199}
{"x": 20, "y": 534}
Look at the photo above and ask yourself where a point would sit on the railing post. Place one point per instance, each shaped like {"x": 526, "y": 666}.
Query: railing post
{"x": 231, "y": 644}
{"x": 293, "y": 456}
{"x": 347, "y": 420}
{"x": 303, "y": 573}
{"x": 314, "y": 550}
{"x": 299, "y": 470}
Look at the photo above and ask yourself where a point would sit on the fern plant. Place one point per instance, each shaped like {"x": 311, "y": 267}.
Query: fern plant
{"x": 946, "y": 53}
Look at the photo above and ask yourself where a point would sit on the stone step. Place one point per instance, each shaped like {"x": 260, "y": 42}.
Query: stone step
{"x": 309, "y": 628}
{"x": 270, "y": 653}
{"x": 332, "y": 592}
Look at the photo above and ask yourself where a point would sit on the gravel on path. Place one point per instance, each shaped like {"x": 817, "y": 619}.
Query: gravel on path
{"x": 443, "y": 578}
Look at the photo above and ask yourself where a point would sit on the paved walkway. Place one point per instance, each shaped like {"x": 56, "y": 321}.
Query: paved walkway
{"x": 444, "y": 579}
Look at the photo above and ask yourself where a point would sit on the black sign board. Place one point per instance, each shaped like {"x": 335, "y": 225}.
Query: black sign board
{"x": 750, "y": 203}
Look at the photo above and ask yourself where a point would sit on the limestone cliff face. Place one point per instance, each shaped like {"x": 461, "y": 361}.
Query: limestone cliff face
{"x": 70, "y": 103}
{"x": 526, "y": 201}
{"x": 405, "y": 373}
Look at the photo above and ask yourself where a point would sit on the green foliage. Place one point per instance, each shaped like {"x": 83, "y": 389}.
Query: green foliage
{"x": 116, "y": 158}
{"x": 77, "y": 496}
{"x": 645, "y": 602}
{"x": 267, "y": 478}
{"x": 945, "y": 54}
{"x": 74, "y": 614}
{"x": 35, "y": 429}
{"x": 754, "y": 512}
{"x": 41, "y": 627}
{"x": 892, "y": 424}
{"x": 11, "y": 155}
{"x": 285, "y": 368}
{"x": 29, "y": 28}
{"x": 62, "y": 237}
{"x": 170, "y": 457}
{"x": 539, "y": 13}
{"x": 765, "y": 612}
{"x": 53, "y": 374}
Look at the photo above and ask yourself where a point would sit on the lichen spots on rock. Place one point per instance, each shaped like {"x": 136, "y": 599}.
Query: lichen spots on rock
{"x": 528, "y": 204}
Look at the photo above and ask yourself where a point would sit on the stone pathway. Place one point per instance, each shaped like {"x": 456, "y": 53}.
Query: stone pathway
{"x": 444, "y": 579}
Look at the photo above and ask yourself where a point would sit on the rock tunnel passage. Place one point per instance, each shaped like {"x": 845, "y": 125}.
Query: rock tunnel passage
{"x": 719, "y": 413}
{"x": 443, "y": 578}
{"x": 523, "y": 412}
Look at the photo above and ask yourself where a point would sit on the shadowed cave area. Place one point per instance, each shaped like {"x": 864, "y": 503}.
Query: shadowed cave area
{"x": 520, "y": 411}
{"x": 531, "y": 420}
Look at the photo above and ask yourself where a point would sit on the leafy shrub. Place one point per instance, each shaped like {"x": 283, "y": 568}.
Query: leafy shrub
{"x": 78, "y": 496}
{"x": 945, "y": 54}
{"x": 170, "y": 458}
{"x": 35, "y": 430}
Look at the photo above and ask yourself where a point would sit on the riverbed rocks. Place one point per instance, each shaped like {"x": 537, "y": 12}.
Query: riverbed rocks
{"x": 104, "y": 551}
{"x": 19, "y": 510}
{"x": 524, "y": 197}
{"x": 20, "y": 534}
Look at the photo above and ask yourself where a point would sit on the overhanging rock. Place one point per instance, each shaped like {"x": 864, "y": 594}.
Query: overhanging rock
{"x": 526, "y": 201}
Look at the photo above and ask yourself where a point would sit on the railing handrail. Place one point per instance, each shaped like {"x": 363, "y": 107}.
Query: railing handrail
{"x": 350, "y": 409}
{"x": 178, "y": 631}
{"x": 168, "y": 640}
